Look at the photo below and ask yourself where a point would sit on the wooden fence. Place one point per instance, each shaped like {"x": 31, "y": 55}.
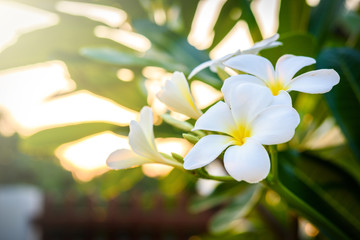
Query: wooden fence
{"x": 121, "y": 219}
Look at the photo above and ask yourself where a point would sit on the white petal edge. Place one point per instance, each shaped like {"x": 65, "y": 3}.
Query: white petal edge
{"x": 146, "y": 123}
{"x": 140, "y": 144}
{"x": 275, "y": 125}
{"x": 247, "y": 100}
{"x": 231, "y": 83}
{"x": 318, "y": 81}
{"x": 176, "y": 95}
{"x": 206, "y": 150}
{"x": 249, "y": 162}
{"x": 264, "y": 44}
{"x": 201, "y": 67}
{"x": 283, "y": 98}
{"x": 288, "y": 65}
{"x": 125, "y": 158}
{"x": 216, "y": 118}
{"x": 254, "y": 65}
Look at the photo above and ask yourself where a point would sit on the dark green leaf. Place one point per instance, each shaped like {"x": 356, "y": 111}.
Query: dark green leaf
{"x": 293, "y": 16}
{"x": 323, "y": 17}
{"x": 322, "y": 192}
{"x": 344, "y": 99}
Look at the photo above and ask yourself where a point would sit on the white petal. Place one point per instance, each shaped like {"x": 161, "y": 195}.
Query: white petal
{"x": 275, "y": 125}
{"x": 125, "y": 158}
{"x": 254, "y": 65}
{"x": 206, "y": 150}
{"x": 249, "y": 162}
{"x": 201, "y": 67}
{"x": 176, "y": 95}
{"x": 283, "y": 98}
{"x": 247, "y": 100}
{"x": 288, "y": 65}
{"x": 218, "y": 63}
{"x": 264, "y": 44}
{"x": 318, "y": 81}
{"x": 217, "y": 118}
{"x": 146, "y": 123}
{"x": 231, "y": 83}
{"x": 140, "y": 144}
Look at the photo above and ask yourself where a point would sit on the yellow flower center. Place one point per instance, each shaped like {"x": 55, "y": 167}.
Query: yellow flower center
{"x": 276, "y": 86}
{"x": 240, "y": 134}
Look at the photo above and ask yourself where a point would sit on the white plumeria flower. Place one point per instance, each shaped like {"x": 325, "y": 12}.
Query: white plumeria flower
{"x": 255, "y": 49}
{"x": 250, "y": 122}
{"x": 175, "y": 94}
{"x": 280, "y": 80}
{"x": 141, "y": 141}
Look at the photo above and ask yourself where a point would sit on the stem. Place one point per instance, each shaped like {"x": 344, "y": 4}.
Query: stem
{"x": 202, "y": 173}
{"x": 274, "y": 163}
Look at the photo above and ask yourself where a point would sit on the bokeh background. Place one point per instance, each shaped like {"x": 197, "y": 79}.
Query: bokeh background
{"x": 73, "y": 74}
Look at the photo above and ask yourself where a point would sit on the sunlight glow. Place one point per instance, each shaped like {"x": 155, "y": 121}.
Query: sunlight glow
{"x": 201, "y": 34}
{"x": 78, "y": 107}
{"x": 352, "y": 4}
{"x": 176, "y": 145}
{"x": 156, "y": 170}
{"x": 313, "y": 3}
{"x": 125, "y": 74}
{"x": 311, "y": 230}
{"x": 111, "y": 16}
{"x": 166, "y": 145}
{"x": 238, "y": 38}
{"x": 129, "y": 39}
{"x": 23, "y": 19}
{"x": 159, "y": 16}
{"x": 204, "y": 94}
{"x": 328, "y": 134}
{"x": 86, "y": 157}
{"x": 155, "y": 78}
{"x": 266, "y": 14}
{"x": 30, "y": 100}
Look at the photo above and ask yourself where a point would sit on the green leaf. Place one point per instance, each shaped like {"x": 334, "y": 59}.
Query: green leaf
{"x": 321, "y": 192}
{"x": 114, "y": 182}
{"x": 188, "y": 8}
{"x": 238, "y": 208}
{"x": 249, "y": 17}
{"x": 48, "y": 140}
{"x": 341, "y": 156}
{"x": 231, "y": 13}
{"x": 344, "y": 99}
{"x": 174, "y": 48}
{"x": 175, "y": 182}
{"x": 185, "y": 126}
{"x": 293, "y": 16}
{"x": 323, "y": 17}
{"x": 113, "y": 56}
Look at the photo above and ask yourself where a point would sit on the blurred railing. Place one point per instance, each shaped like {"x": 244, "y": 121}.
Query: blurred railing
{"x": 133, "y": 217}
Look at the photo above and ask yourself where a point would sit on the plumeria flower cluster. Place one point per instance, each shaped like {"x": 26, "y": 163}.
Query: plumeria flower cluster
{"x": 256, "y": 111}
